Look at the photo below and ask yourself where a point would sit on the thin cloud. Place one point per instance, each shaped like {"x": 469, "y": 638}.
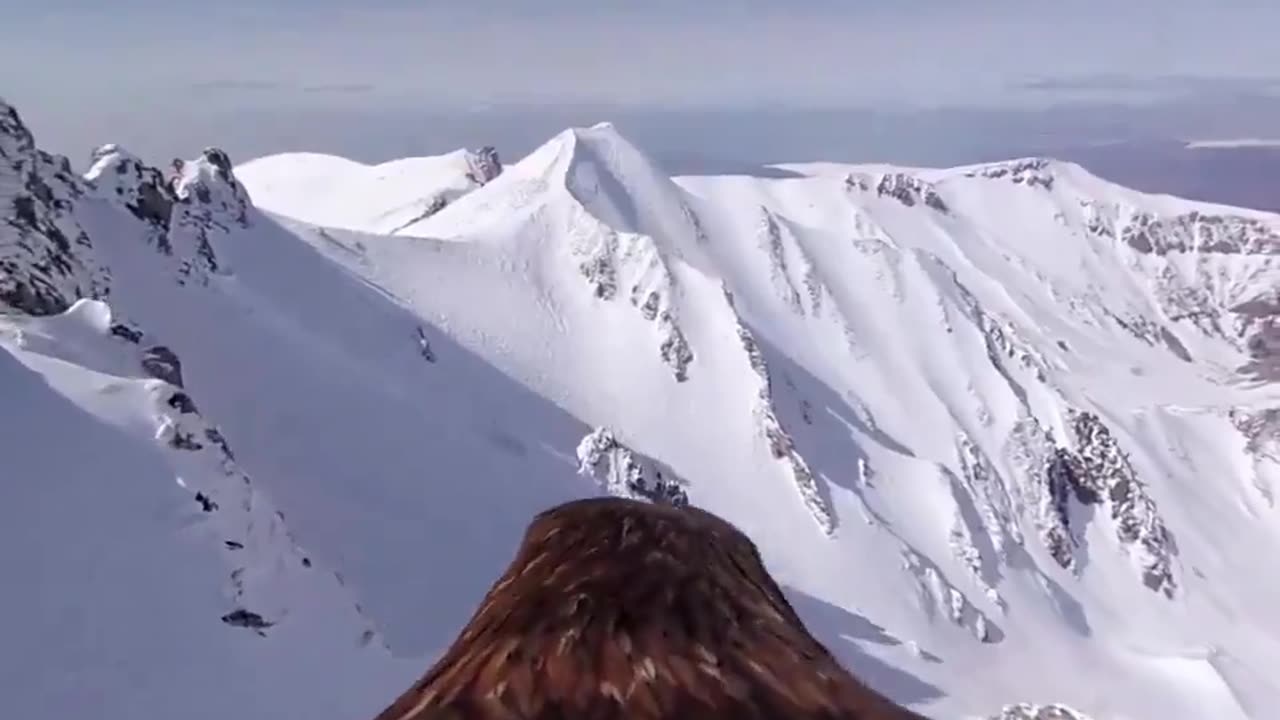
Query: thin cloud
{"x": 342, "y": 88}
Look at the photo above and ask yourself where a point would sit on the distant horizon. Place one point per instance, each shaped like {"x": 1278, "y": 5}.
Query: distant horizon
{"x": 1162, "y": 148}
{"x": 713, "y": 87}
{"x": 738, "y": 136}
{"x": 741, "y": 81}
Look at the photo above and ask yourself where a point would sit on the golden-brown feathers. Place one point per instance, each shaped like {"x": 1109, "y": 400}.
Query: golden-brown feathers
{"x": 621, "y": 610}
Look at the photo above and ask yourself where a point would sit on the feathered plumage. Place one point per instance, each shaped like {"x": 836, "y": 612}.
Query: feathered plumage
{"x": 617, "y": 609}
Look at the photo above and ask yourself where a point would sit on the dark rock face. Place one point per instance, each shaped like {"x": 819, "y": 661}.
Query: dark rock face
{"x": 1198, "y": 232}
{"x": 246, "y": 619}
{"x": 1032, "y": 172}
{"x": 46, "y": 257}
{"x": 183, "y": 403}
{"x": 141, "y": 188}
{"x": 15, "y": 131}
{"x": 485, "y": 165}
{"x": 908, "y": 190}
{"x": 1259, "y": 322}
{"x": 127, "y": 333}
{"x": 210, "y": 183}
{"x": 1063, "y": 475}
{"x": 162, "y": 363}
{"x": 1098, "y": 473}
{"x": 219, "y": 160}
{"x": 620, "y": 609}
{"x": 1154, "y": 334}
{"x": 210, "y": 202}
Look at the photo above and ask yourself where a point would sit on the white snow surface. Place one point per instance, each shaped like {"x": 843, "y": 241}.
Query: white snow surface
{"x": 332, "y": 191}
{"x": 867, "y": 369}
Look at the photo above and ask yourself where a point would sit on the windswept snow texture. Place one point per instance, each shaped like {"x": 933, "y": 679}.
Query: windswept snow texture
{"x": 1006, "y": 433}
{"x": 331, "y": 191}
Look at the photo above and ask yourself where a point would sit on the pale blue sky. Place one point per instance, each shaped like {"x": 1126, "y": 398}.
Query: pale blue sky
{"x": 166, "y": 74}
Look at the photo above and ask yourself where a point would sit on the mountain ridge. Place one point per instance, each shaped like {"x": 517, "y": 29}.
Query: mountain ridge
{"x": 971, "y": 399}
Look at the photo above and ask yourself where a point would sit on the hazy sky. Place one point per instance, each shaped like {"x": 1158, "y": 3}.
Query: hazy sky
{"x": 167, "y": 73}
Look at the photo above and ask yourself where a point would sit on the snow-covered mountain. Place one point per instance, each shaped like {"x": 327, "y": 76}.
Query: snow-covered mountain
{"x": 388, "y": 199}
{"x": 1004, "y": 433}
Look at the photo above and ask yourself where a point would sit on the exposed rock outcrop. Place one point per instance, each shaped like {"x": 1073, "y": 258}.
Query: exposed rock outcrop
{"x": 619, "y": 609}
{"x": 614, "y": 262}
{"x": 141, "y": 188}
{"x": 1026, "y": 711}
{"x": 910, "y": 190}
{"x": 46, "y": 257}
{"x": 484, "y": 165}
{"x": 182, "y": 213}
{"x": 1199, "y": 232}
{"x": 781, "y": 444}
{"x": 622, "y": 472}
{"x": 1031, "y": 172}
{"x": 1094, "y": 472}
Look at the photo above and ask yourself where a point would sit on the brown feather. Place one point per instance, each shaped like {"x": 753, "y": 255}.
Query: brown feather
{"x": 621, "y": 610}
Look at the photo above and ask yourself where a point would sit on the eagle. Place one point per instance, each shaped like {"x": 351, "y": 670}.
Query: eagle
{"x": 619, "y": 609}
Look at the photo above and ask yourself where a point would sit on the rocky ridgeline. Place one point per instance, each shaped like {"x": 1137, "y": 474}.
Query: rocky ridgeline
{"x": 1024, "y": 711}
{"x": 1096, "y": 472}
{"x": 1261, "y": 431}
{"x": 992, "y": 516}
{"x": 266, "y": 571}
{"x": 938, "y": 595}
{"x": 1032, "y": 172}
{"x": 787, "y": 259}
{"x": 182, "y": 214}
{"x": 483, "y": 165}
{"x": 1089, "y": 471}
{"x": 1152, "y": 333}
{"x": 1198, "y": 280}
{"x": 612, "y": 262}
{"x": 903, "y": 187}
{"x": 57, "y": 233}
{"x": 622, "y": 472}
{"x": 142, "y": 189}
{"x": 781, "y": 445}
{"x": 1198, "y": 232}
{"x": 1204, "y": 287}
{"x": 259, "y": 549}
{"x": 1257, "y": 321}
{"x": 1003, "y": 341}
{"x": 47, "y": 259}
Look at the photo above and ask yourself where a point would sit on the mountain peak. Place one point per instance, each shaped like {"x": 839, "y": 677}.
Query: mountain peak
{"x": 46, "y": 257}
{"x": 210, "y": 182}
{"x": 603, "y": 131}
{"x": 674, "y": 606}
{"x": 602, "y": 138}
{"x": 969, "y": 423}
{"x": 14, "y": 136}
{"x": 142, "y": 189}
{"x": 483, "y": 165}
{"x": 616, "y": 182}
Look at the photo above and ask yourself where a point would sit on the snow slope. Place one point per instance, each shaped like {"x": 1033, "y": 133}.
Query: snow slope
{"x": 1007, "y": 417}
{"x": 336, "y": 192}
